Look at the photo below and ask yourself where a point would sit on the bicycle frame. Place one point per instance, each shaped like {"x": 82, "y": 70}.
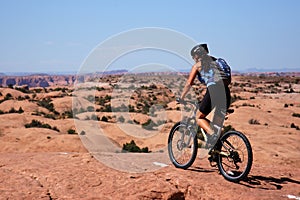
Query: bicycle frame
{"x": 218, "y": 120}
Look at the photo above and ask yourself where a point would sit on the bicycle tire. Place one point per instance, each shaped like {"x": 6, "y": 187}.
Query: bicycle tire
{"x": 225, "y": 163}
{"x": 183, "y": 127}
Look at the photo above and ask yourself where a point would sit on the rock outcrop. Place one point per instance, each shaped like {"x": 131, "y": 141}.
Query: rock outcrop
{"x": 38, "y": 80}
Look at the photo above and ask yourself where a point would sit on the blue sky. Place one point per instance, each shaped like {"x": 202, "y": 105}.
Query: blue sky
{"x": 57, "y": 35}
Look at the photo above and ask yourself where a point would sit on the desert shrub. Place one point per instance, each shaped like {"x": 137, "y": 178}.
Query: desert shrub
{"x": 12, "y": 110}
{"x": 132, "y": 147}
{"x": 37, "y": 124}
{"x": 37, "y": 90}
{"x": 136, "y": 122}
{"x": 104, "y": 119}
{"x": 2, "y": 112}
{"x": 68, "y": 113}
{"x": 107, "y": 108}
{"x": 8, "y": 96}
{"x": 82, "y": 133}
{"x": 91, "y": 98}
{"x": 50, "y": 116}
{"x": 71, "y": 131}
{"x": 247, "y": 104}
{"x": 61, "y": 89}
{"x": 94, "y": 117}
{"x": 149, "y": 125}
{"x": 20, "y": 110}
{"x": 294, "y": 126}
{"x": 254, "y": 121}
{"x": 145, "y": 108}
{"x": 20, "y": 98}
{"x": 289, "y": 91}
{"x": 296, "y": 115}
{"x": 38, "y": 113}
{"x": 46, "y": 103}
{"x": 121, "y": 119}
{"x": 34, "y": 123}
{"x": 23, "y": 89}
{"x": 286, "y": 105}
{"x": 131, "y": 108}
{"x": 107, "y": 98}
{"x": 160, "y": 122}
{"x": 55, "y": 129}
{"x": 90, "y": 109}
{"x": 153, "y": 86}
{"x": 100, "y": 88}
{"x": 235, "y": 98}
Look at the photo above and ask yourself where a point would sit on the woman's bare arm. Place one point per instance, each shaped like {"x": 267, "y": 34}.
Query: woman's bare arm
{"x": 191, "y": 79}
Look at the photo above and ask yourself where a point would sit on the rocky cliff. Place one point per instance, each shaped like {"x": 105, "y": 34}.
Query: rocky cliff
{"x": 38, "y": 80}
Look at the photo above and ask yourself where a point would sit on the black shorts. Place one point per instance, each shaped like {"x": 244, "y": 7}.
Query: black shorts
{"x": 218, "y": 96}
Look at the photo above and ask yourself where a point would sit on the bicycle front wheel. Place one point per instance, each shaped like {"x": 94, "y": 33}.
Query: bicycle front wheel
{"x": 235, "y": 158}
{"x": 182, "y": 146}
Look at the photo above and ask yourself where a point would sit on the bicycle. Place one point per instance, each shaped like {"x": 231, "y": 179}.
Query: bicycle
{"x": 232, "y": 151}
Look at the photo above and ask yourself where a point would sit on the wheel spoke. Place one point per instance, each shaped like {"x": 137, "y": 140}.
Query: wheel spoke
{"x": 235, "y": 157}
{"x": 182, "y": 149}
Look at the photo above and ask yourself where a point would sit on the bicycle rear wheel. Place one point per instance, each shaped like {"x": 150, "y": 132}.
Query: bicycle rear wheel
{"x": 235, "y": 158}
{"x": 182, "y": 146}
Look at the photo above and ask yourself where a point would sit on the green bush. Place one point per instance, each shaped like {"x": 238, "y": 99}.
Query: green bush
{"x": 94, "y": 117}
{"x": 254, "y": 121}
{"x": 121, "y": 119}
{"x": 46, "y": 103}
{"x": 294, "y": 126}
{"x": 104, "y": 119}
{"x": 149, "y": 125}
{"x": 37, "y": 124}
{"x": 71, "y": 131}
{"x": 296, "y": 115}
{"x": 8, "y": 96}
{"x": 12, "y": 110}
{"x": 132, "y": 147}
{"x": 90, "y": 109}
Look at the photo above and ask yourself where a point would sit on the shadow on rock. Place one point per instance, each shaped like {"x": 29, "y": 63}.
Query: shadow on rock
{"x": 199, "y": 169}
{"x": 267, "y": 183}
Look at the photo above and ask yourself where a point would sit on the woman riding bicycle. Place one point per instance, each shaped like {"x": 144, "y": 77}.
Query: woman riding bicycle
{"x": 217, "y": 95}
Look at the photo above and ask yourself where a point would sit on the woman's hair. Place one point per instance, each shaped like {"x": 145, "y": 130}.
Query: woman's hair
{"x": 200, "y": 50}
{"x": 207, "y": 62}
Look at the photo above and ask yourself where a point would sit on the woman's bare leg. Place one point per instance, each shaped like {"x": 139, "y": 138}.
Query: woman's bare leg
{"x": 204, "y": 123}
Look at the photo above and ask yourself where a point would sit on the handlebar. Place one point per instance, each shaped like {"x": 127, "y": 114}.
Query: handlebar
{"x": 184, "y": 102}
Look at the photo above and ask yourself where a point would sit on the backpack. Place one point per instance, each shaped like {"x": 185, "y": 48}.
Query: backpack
{"x": 225, "y": 71}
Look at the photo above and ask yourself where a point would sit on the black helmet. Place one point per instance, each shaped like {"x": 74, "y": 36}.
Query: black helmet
{"x": 200, "y": 50}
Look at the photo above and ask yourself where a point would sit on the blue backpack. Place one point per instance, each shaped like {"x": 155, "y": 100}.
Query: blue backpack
{"x": 225, "y": 70}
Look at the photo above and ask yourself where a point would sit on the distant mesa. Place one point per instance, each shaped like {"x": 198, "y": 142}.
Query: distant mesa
{"x": 52, "y": 79}
{"x": 37, "y": 80}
